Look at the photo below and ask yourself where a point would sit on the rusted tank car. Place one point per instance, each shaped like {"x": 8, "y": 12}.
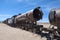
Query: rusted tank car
{"x": 54, "y": 17}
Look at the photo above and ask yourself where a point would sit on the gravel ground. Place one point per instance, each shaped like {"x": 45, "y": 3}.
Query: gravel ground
{"x": 10, "y": 33}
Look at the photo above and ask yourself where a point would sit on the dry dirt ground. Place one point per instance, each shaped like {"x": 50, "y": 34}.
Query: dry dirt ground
{"x": 10, "y": 33}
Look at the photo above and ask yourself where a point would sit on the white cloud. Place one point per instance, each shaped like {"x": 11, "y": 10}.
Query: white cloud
{"x": 27, "y": 0}
{"x": 19, "y": 0}
{"x": 3, "y": 17}
{"x": 32, "y": 3}
{"x": 23, "y": 0}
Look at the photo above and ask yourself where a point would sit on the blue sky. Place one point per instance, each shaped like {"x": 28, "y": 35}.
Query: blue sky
{"x": 8, "y": 8}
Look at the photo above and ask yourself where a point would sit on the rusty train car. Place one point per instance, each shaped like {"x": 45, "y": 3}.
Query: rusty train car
{"x": 26, "y": 20}
{"x": 31, "y": 17}
{"x": 54, "y": 17}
